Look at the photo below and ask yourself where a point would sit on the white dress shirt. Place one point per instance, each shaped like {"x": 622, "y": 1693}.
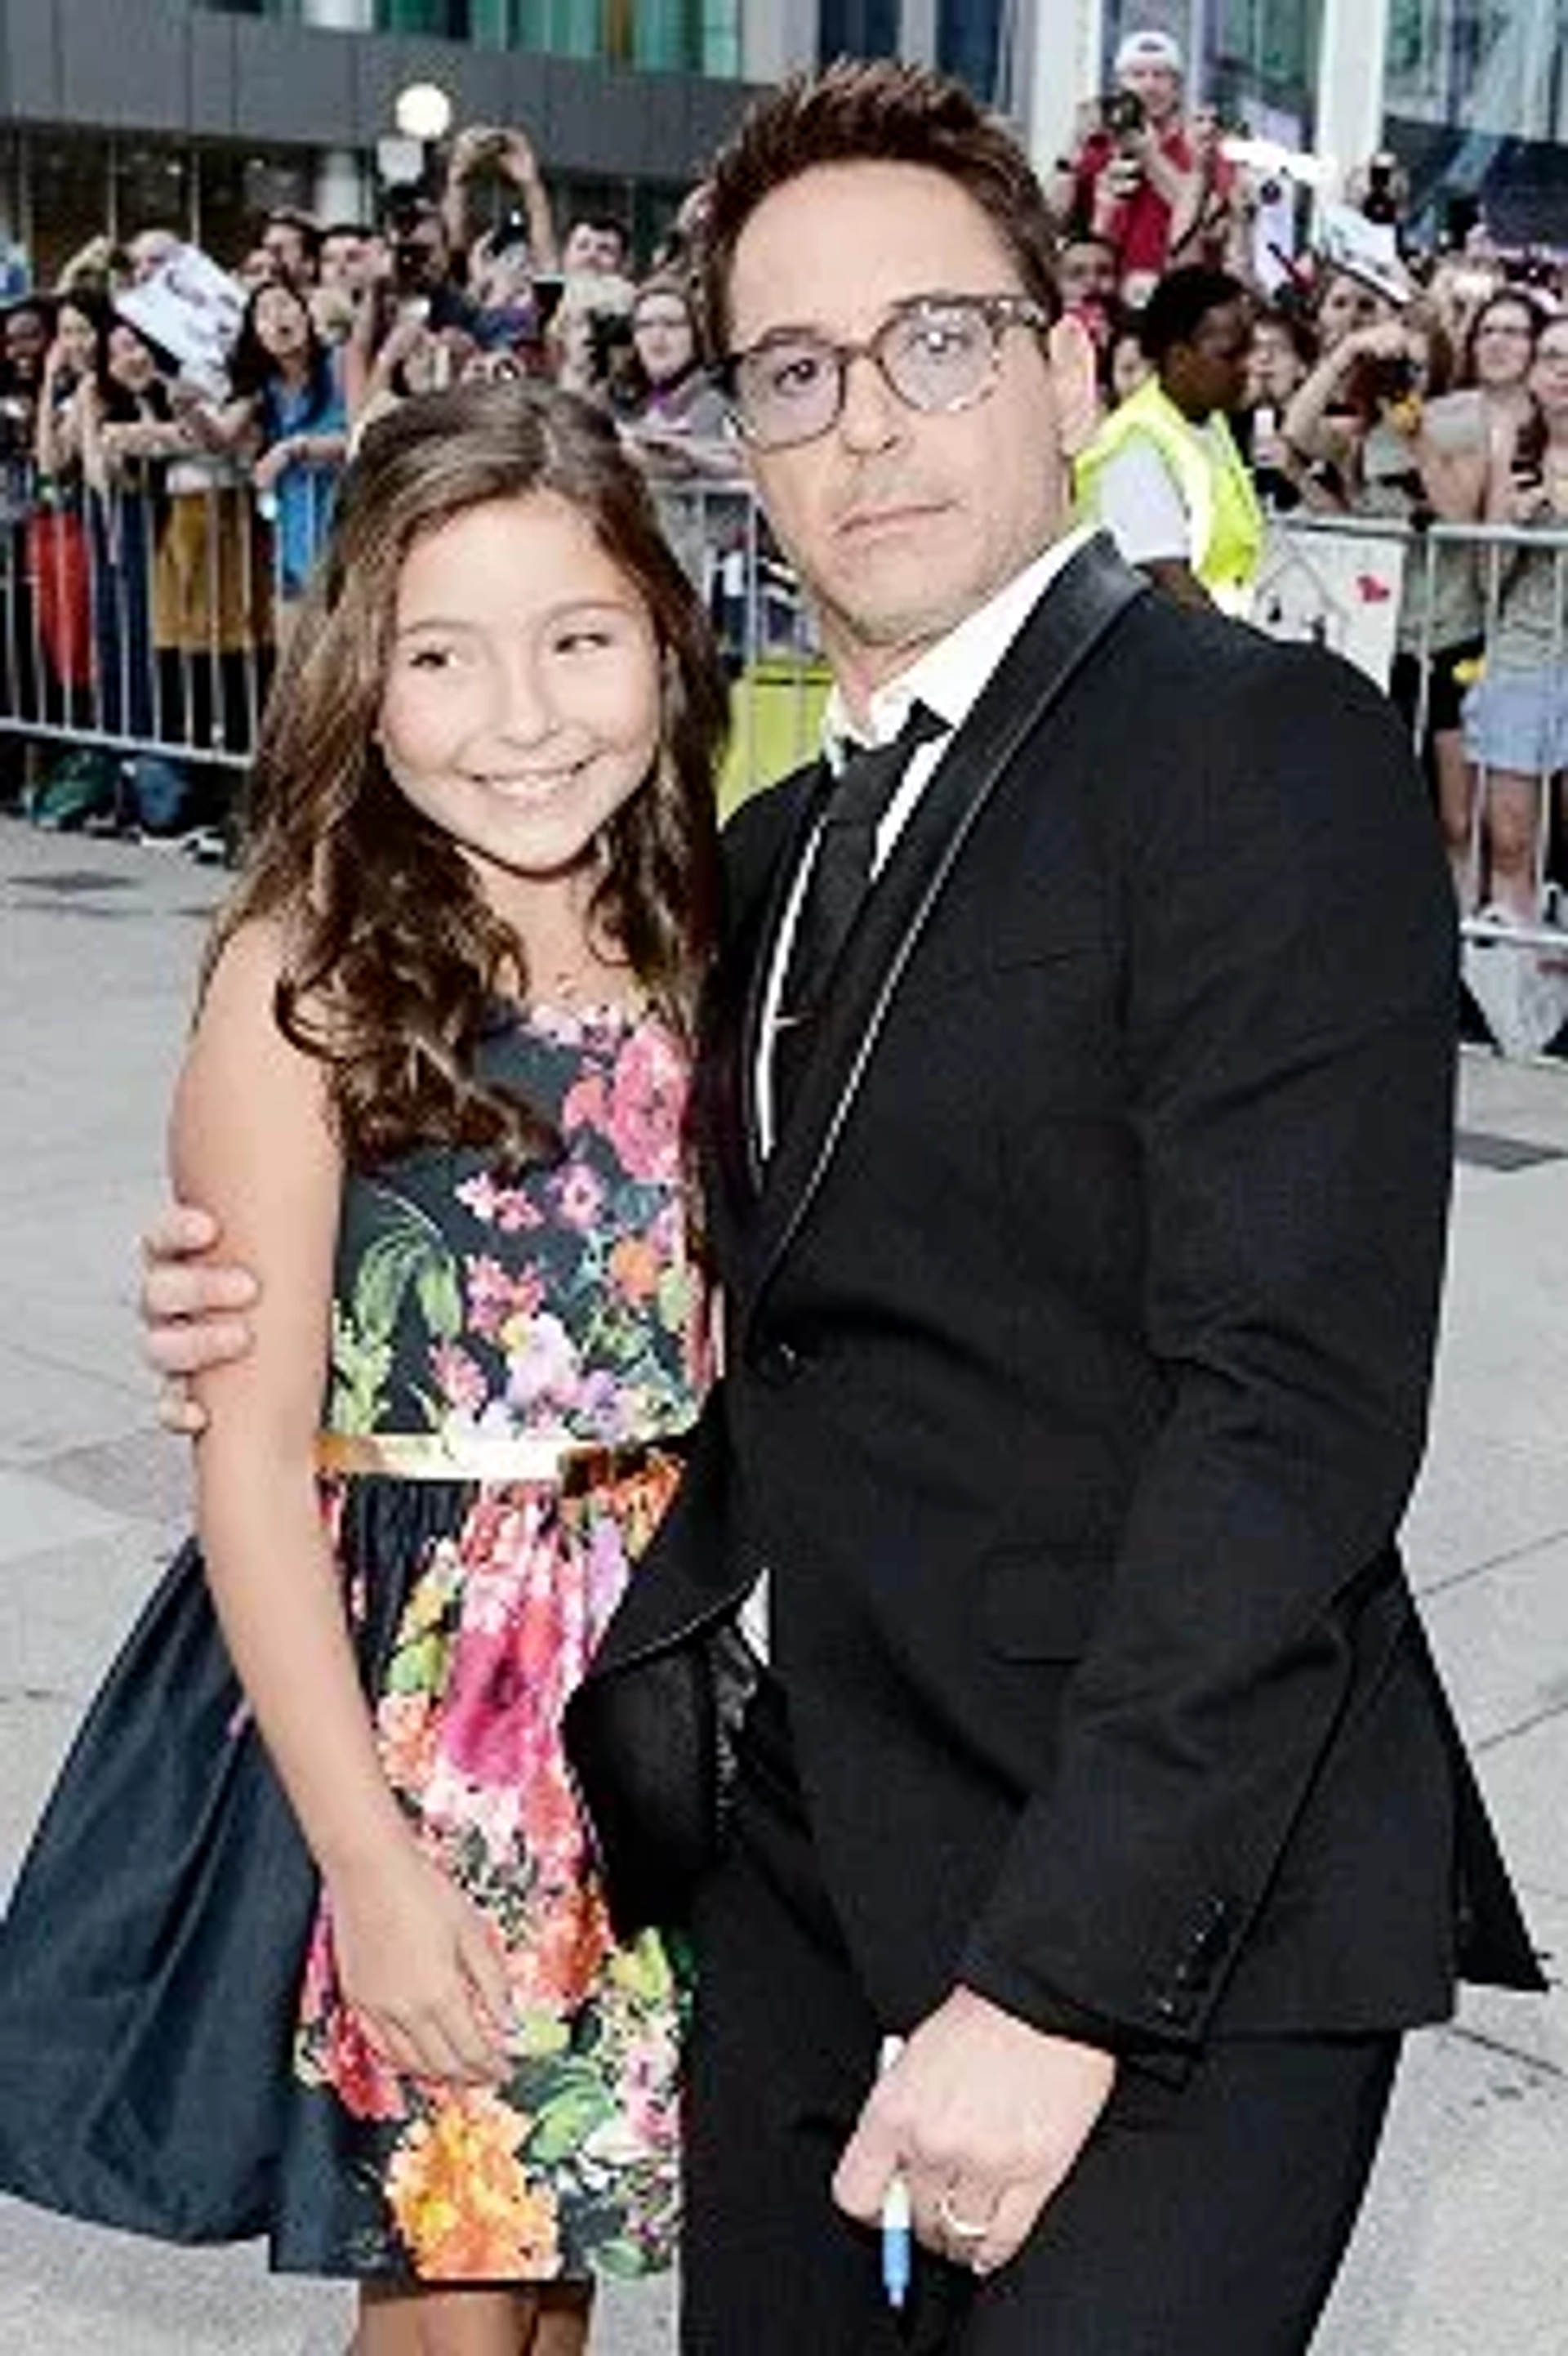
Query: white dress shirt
{"x": 948, "y": 679}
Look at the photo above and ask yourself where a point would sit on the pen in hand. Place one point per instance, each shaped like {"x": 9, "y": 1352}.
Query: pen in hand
{"x": 898, "y": 2241}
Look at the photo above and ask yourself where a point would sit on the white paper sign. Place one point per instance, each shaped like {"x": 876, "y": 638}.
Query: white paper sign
{"x": 193, "y": 309}
{"x": 1339, "y": 589}
{"x": 1347, "y": 240}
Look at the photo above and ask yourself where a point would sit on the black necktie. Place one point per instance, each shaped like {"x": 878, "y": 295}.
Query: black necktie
{"x": 840, "y": 877}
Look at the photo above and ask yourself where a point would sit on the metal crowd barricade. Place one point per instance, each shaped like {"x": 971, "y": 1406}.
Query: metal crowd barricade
{"x": 136, "y": 617}
{"x": 1377, "y": 590}
{"x": 779, "y": 679}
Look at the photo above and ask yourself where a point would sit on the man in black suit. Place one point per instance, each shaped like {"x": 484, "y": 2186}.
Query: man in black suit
{"x": 1078, "y": 1183}
{"x": 1080, "y": 1220}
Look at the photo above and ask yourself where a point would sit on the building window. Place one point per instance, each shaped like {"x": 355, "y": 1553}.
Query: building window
{"x": 858, "y": 29}
{"x": 969, "y": 38}
{"x": 1497, "y": 69}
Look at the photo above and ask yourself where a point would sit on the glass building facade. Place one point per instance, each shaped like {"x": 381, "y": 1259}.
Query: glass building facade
{"x": 700, "y": 37}
{"x": 1475, "y": 93}
{"x": 972, "y": 40}
{"x": 1478, "y": 107}
{"x": 858, "y": 29}
{"x": 1500, "y": 70}
{"x": 1256, "y": 60}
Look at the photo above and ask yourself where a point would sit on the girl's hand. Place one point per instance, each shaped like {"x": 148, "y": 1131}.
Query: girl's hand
{"x": 1527, "y": 498}
{"x": 422, "y": 1968}
{"x": 401, "y": 341}
{"x": 1387, "y": 340}
{"x": 272, "y": 463}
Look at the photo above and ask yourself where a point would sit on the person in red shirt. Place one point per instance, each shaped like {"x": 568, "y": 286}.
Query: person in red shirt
{"x": 1139, "y": 179}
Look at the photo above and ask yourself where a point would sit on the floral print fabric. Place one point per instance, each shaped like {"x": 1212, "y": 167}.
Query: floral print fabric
{"x": 563, "y": 1302}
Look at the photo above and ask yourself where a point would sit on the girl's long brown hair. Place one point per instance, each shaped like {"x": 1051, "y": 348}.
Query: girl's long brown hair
{"x": 394, "y": 962}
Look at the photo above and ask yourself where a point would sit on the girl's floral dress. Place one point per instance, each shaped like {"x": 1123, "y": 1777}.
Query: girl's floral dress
{"x": 561, "y": 1301}
{"x": 176, "y": 2057}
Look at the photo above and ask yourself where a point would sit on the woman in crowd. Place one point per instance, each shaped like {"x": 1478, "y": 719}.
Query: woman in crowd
{"x": 1343, "y": 303}
{"x": 129, "y": 428}
{"x": 1368, "y": 425}
{"x": 1284, "y": 352}
{"x": 1497, "y": 358}
{"x": 416, "y": 356}
{"x": 1515, "y": 717}
{"x": 667, "y": 392}
{"x": 56, "y": 532}
{"x": 70, "y": 362}
{"x": 287, "y": 412}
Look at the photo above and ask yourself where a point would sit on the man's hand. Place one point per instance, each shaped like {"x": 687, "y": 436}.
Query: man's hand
{"x": 518, "y": 159}
{"x": 475, "y": 146}
{"x": 192, "y": 1308}
{"x": 985, "y": 2118}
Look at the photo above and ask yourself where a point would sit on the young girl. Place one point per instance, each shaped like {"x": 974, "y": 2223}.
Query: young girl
{"x": 435, "y": 1093}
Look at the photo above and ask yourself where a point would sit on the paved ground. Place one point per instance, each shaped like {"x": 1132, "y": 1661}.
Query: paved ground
{"x": 1463, "y": 2250}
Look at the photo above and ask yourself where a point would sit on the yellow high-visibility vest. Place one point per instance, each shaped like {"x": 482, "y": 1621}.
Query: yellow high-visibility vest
{"x": 1224, "y": 521}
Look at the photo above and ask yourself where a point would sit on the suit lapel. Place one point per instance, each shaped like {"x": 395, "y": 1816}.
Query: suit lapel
{"x": 759, "y": 953}
{"x": 1068, "y": 624}
{"x": 761, "y": 852}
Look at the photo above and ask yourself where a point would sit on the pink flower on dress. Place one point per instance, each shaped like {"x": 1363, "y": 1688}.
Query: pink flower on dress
{"x": 458, "y": 1377}
{"x": 495, "y": 1295}
{"x": 478, "y": 1195}
{"x": 586, "y": 1106}
{"x": 332, "y": 2048}
{"x": 407, "y": 1732}
{"x": 608, "y": 1570}
{"x": 648, "y": 1104}
{"x": 490, "y": 1711}
{"x": 494, "y": 1206}
{"x": 580, "y": 1199}
{"x": 541, "y": 1362}
{"x": 648, "y": 2070}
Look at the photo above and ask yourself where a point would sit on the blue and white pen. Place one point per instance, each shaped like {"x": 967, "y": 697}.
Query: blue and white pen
{"x": 897, "y": 2231}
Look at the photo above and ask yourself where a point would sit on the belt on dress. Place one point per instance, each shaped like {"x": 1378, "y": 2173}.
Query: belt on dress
{"x": 548, "y": 1458}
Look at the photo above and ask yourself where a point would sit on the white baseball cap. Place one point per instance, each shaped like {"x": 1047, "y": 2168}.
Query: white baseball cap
{"x": 1149, "y": 49}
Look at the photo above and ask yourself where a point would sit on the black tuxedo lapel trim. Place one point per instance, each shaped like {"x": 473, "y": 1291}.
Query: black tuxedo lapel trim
{"x": 1066, "y": 627}
{"x": 756, "y": 885}
{"x": 761, "y": 949}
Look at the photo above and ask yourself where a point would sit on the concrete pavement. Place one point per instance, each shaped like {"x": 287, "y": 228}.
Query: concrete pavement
{"x": 1462, "y": 2251}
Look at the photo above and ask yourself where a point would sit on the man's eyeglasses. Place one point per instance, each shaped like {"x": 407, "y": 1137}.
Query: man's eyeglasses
{"x": 937, "y": 352}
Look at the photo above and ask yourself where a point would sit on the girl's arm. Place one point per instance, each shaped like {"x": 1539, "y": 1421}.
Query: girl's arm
{"x": 1303, "y": 423}
{"x": 251, "y": 1138}
{"x": 1514, "y": 495}
{"x": 223, "y": 427}
{"x": 1308, "y": 427}
{"x": 90, "y": 430}
{"x": 321, "y": 446}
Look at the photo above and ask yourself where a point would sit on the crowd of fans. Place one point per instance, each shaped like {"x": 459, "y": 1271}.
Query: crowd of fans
{"x": 158, "y": 524}
{"x": 156, "y": 528}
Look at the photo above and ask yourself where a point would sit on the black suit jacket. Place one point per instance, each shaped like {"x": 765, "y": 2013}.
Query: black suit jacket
{"x": 1079, "y": 1334}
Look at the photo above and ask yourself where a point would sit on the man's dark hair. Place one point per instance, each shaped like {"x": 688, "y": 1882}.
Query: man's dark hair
{"x": 407, "y": 203}
{"x": 876, "y": 112}
{"x": 302, "y": 224}
{"x": 1180, "y": 303}
{"x": 1298, "y": 331}
{"x": 603, "y": 225}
